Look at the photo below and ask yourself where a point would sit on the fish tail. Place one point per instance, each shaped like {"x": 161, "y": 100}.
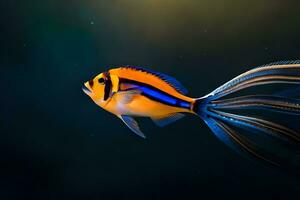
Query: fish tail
{"x": 241, "y": 122}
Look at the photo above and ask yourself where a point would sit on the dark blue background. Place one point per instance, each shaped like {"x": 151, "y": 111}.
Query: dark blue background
{"x": 57, "y": 144}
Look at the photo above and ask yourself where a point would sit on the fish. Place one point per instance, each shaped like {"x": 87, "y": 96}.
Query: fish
{"x": 129, "y": 92}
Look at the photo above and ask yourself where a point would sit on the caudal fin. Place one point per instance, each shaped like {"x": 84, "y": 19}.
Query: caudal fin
{"x": 258, "y": 125}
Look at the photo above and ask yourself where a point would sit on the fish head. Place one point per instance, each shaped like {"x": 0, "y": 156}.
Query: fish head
{"x": 95, "y": 88}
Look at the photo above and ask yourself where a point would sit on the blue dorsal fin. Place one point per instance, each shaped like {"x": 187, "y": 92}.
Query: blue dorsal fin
{"x": 168, "y": 79}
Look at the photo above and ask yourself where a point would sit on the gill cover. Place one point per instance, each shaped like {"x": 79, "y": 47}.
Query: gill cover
{"x": 111, "y": 85}
{"x": 107, "y": 85}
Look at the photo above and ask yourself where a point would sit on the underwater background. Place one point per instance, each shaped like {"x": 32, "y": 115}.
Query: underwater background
{"x": 55, "y": 143}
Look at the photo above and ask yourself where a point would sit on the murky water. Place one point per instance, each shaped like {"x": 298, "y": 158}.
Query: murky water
{"x": 57, "y": 144}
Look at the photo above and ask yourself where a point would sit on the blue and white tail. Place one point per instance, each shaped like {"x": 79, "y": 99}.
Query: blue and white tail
{"x": 263, "y": 123}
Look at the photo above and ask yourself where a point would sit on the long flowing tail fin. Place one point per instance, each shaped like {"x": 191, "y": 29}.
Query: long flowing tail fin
{"x": 258, "y": 124}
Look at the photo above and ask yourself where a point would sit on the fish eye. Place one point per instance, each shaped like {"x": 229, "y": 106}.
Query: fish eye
{"x": 101, "y": 80}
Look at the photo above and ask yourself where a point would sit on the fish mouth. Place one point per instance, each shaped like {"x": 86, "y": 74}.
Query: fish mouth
{"x": 86, "y": 90}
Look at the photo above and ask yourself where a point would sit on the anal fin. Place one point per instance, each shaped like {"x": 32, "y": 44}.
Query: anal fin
{"x": 167, "y": 119}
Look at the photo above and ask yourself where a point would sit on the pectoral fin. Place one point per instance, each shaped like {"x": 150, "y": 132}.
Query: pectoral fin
{"x": 132, "y": 124}
{"x": 167, "y": 119}
{"x": 126, "y": 97}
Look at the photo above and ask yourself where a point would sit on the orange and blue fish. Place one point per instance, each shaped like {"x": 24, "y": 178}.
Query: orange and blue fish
{"x": 130, "y": 92}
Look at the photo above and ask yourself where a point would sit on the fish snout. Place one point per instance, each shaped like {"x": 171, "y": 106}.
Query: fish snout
{"x": 86, "y": 90}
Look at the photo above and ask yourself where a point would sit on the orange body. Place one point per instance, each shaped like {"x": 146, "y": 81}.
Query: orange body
{"x": 141, "y": 105}
{"x": 132, "y": 91}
